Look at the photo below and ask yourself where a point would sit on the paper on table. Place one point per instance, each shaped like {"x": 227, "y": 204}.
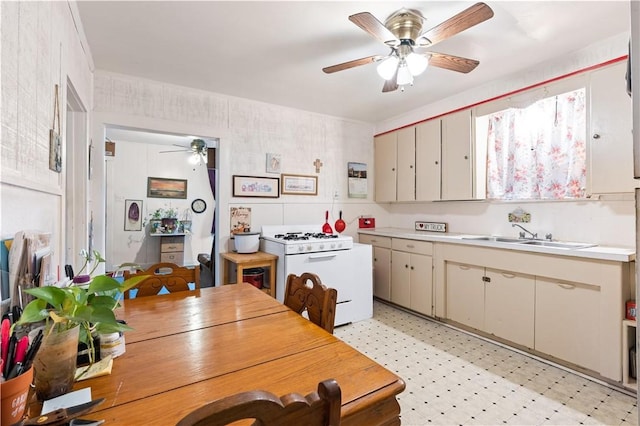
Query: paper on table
{"x": 67, "y": 400}
{"x": 100, "y": 368}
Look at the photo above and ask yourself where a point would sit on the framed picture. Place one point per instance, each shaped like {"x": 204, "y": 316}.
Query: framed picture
{"x": 299, "y": 184}
{"x": 166, "y": 188}
{"x": 256, "y": 186}
{"x": 133, "y": 215}
{"x": 273, "y": 163}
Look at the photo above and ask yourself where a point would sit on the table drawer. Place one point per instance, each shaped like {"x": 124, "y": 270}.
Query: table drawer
{"x": 375, "y": 240}
{"x": 412, "y": 246}
{"x": 177, "y": 258}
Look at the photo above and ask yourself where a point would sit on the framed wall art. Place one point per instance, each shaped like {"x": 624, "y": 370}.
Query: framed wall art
{"x": 166, "y": 188}
{"x": 299, "y": 184}
{"x": 133, "y": 215}
{"x": 273, "y": 163}
{"x": 256, "y": 186}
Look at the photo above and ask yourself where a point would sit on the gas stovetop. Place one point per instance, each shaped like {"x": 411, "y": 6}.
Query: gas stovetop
{"x": 298, "y": 239}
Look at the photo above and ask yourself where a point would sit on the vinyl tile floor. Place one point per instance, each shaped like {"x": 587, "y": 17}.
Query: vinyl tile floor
{"x": 454, "y": 378}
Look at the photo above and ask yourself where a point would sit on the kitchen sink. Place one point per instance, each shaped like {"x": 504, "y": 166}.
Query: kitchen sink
{"x": 557, "y": 244}
{"x": 496, "y": 239}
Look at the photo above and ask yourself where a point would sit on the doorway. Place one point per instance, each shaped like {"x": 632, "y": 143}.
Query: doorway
{"x": 138, "y": 156}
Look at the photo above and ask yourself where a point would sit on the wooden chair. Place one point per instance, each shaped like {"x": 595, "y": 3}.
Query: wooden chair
{"x": 168, "y": 275}
{"x": 317, "y": 300}
{"x": 321, "y": 408}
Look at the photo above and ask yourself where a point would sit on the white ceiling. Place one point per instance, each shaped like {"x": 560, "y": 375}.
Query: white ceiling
{"x": 274, "y": 51}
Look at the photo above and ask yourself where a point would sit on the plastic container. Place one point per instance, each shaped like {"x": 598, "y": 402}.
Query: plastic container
{"x": 247, "y": 242}
{"x": 254, "y": 276}
{"x": 14, "y": 395}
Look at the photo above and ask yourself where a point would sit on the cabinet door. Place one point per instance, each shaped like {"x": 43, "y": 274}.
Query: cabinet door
{"x": 610, "y": 136}
{"x": 406, "y": 184}
{"x": 465, "y": 294}
{"x": 385, "y": 166}
{"x": 382, "y": 273}
{"x": 457, "y": 178}
{"x": 428, "y": 136}
{"x": 421, "y": 283}
{"x": 509, "y": 306}
{"x": 401, "y": 278}
{"x": 567, "y": 321}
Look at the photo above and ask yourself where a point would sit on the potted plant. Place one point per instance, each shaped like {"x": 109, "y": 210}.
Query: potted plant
{"x": 156, "y": 220}
{"x": 170, "y": 219}
{"x": 72, "y": 314}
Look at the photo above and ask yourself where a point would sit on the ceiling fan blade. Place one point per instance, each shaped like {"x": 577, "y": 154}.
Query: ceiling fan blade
{"x": 391, "y": 84}
{"x": 352, "y": 64}
{"x": 370, "y": 24}
{"x": 451, "y": 62}
{"x": 474, "y": 15}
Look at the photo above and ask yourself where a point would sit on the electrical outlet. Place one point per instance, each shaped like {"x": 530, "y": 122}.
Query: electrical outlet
{"x": 336, "y": 194}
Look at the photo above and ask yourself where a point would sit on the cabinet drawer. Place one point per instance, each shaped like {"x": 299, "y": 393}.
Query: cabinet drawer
{"x": 171, "y": 247}
{"x": 412, "y": 246}
{"x": 375, "y": 240}
{"x": 177, "y": 258}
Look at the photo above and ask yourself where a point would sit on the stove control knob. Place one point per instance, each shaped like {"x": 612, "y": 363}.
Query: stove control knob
{"x": 333, "y": 246}
{"x": 309, "y": 248}
{"x": 321, "y": 246}
{"x": 339, "y": 245}
{"x": 300, "y": 248}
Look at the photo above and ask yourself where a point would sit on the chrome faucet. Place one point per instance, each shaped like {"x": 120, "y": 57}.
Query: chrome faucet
{"x": 522, "y": 234}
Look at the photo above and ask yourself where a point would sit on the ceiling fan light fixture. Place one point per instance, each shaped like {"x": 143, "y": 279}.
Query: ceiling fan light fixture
{"x": 404, "y": 75}
{"x": 416, "y": 63}
{"x": 387, "y": 68}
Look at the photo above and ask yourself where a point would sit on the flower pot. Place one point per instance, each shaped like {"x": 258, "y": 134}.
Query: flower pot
{"x": 55, "y": 364}
{"x": 14, "y": 394}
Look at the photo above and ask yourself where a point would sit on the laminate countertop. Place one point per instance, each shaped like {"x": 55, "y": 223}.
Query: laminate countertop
{"x": 599, "y": 252}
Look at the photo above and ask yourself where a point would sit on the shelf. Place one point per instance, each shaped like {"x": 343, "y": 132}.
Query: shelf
{"x": 175, "y": 234}
{"x": 628, "y": 340}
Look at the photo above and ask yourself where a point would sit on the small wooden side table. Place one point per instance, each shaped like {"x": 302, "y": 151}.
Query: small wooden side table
{"x": 250, "y": 260}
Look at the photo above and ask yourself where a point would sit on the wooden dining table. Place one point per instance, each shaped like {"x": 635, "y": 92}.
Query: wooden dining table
{"x": 192, "y": 347}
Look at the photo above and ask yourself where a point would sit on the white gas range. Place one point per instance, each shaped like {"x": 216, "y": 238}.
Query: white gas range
{"x": 336, "y": 259}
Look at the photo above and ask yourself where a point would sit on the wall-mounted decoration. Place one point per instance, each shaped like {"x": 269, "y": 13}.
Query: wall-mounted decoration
{"x": 299, "y": 184}
{"x": 55, "y": 143}
{"x": 318, "y": 164}
{"x": 273, "y": 163}
{"x": 357, "y": 176}
{"x": 519, "y": 216}
{"x": 133, "y": 215}
{"x": 198, "y": 205}
{"x": 255, "y": 186}
{"x": 166, "y": 188}
{"x": 240, "y": 219}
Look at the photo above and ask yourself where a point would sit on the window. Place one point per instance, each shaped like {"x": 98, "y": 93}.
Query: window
{"x": 538, "y": 151}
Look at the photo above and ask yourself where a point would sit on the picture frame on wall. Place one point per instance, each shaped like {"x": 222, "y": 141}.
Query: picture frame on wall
{"x": 299, "y": 184}
{"x": 133, "y": 215}
{"x": 273, "y": 163}
{"x": 166, "y": 188}
{"x": 256, "y": 186}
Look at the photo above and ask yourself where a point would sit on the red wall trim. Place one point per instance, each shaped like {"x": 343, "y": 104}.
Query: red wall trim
{"x": 533, "y": 86}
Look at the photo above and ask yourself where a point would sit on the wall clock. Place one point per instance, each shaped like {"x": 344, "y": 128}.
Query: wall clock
{"x": 198, "y": 205}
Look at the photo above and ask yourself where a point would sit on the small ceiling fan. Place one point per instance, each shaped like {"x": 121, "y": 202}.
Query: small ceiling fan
{"x": 198, "y": 149}
{"x": 402, "y": 32}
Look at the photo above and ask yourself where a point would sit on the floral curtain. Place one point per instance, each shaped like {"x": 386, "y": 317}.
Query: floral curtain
{"x": 538, "y": 152}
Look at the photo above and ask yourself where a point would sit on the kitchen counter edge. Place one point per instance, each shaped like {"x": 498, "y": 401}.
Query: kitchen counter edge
{"x": 617, "y": 254}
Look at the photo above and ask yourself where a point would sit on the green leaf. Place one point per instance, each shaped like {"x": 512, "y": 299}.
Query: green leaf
{"x": 35, "y": 311}
{"x": 53, "y": 295}
{"x": 102, "y": 302}
{"x": 106, "y": 328}
{"x": 102, "y": 283}
{"x": 102, "y": 314}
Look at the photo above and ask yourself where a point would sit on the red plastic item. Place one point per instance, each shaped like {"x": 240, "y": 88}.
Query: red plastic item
{"x": 366, "y": 222}
{"x": 631, "y": 310}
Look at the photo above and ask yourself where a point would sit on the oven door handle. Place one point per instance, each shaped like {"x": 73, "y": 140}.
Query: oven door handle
{"x": 322, "y": 255}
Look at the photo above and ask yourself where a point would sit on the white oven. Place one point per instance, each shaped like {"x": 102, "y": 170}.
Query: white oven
{"x": 337, "y": 260}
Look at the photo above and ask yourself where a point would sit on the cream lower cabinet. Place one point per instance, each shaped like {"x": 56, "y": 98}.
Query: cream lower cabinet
{"x": 381, "y": 264}
{"x": 412, "y": 274}
{"x": 567, "y": 317}
{"x": 568, "y": 309}
{"x": 497, "y": 302}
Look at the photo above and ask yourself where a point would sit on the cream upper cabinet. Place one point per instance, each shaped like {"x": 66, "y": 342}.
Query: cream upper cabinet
{"x": 611, "y": 143}
{"x": 457, "y": 163}
{"x": 428, "y": 161}
{"x": 406, "y": 183}
{"x": 385, "y": 157}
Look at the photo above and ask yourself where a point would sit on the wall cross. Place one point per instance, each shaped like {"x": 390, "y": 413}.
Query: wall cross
{"x": 318, "y": 164}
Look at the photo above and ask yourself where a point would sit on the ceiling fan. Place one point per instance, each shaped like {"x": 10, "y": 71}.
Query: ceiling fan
{"x": 402, "y": 32}
{"x": 198, "y": 149}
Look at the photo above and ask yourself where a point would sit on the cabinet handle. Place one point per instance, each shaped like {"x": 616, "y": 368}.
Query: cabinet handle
{"x": 393, "y": 169}
{"x": 596, "y": 136}
{"x": 375, "y": 260}
{"x": 412, "y": 268}
{"x": 436, "y": 162}
{"x": 406, "y": 266}
{"x": 466, "y": 157}
{"x": 411, "y": 167}
{"x": 410, "y": 246}
{"x": 465, "y": 267}
{"x": 566, "y": 286}
{"x": 504, "y": 274}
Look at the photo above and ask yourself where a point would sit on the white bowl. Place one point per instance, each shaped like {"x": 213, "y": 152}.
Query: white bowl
{"x": 247, "y": 242}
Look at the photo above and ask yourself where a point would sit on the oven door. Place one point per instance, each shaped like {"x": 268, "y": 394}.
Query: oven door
{"x": 348, "y": 271}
